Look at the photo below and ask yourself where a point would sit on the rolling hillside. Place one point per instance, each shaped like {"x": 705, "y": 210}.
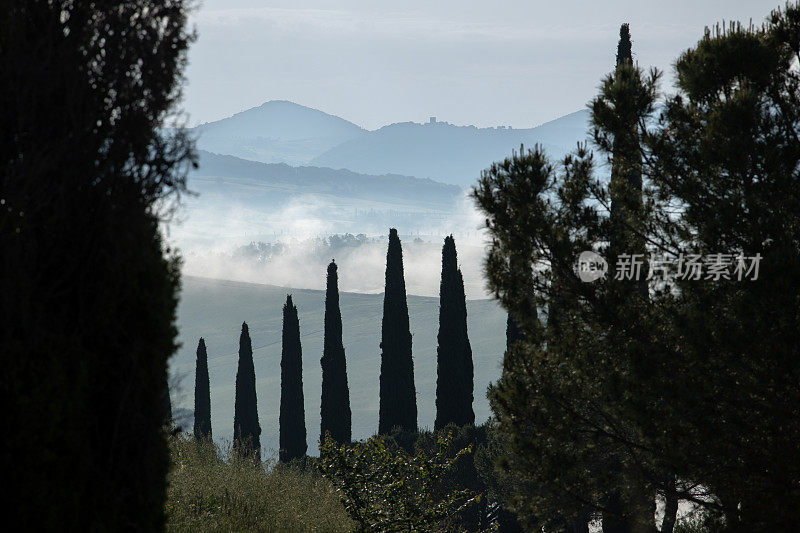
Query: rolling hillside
{"x": 257, "y": 183}
{"x": 215, "y": 310}
{"x": 276, "y": 132}
{"x": 448, "y": 153}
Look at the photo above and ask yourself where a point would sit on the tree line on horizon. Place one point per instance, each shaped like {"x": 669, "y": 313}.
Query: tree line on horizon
{"x": 398, "y": 403}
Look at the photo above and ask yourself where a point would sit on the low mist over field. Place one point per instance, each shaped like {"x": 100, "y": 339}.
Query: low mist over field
{"x": 301, "y": 264}
{"x": 281, "y": 225}
{"x": 292, "y": 246}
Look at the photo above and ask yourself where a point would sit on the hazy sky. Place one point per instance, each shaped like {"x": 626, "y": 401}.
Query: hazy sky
{"x": 500, "y": 62}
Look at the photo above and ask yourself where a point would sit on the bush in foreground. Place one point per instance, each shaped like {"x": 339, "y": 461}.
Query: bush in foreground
{"x": 211, "y": 490}
{"x": 384, "y": 488}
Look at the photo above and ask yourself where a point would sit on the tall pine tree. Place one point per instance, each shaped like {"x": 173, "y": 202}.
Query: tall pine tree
{"x": 557, "y": 398}
{"x": 202, "y": 395}
{"x": 292, "y": 411}
{"x": 335, "y": 405}
{"x": 595, "y": 408}
{"x": 454, "y": 381}
{"x": 616, "y": 114}
{"x": 398, "y": 397}
{"x": 246, "y": 429}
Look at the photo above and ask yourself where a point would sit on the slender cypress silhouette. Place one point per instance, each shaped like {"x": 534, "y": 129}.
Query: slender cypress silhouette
{"x": 455, "y": 373}
{"x": 292, "y": 411}
{"x": 335, "y": 405}
{"x": 202, "y": 394}
{"x": 246, "y": 429}
{"x": 398, "y": 398}
{"x": 622, "y": 512}
{"x": 624, "y": 46}
{"x": 625, "y": 187}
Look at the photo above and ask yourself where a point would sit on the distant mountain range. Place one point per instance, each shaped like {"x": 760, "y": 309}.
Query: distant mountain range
{"x": 448, "y": 153}
{"x": 284, "y": 132}
{"x": 276, "y": 132}
{"x": 283, "y": 170}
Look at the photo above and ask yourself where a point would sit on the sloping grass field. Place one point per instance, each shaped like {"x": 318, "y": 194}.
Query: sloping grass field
{"x": 215, "y": 310}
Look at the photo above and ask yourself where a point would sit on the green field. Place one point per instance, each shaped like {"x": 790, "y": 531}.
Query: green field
{"x": 215, "y": 309}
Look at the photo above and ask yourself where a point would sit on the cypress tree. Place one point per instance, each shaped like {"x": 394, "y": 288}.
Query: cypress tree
{"x": 625, "y": 187}
{"x": 335, "y": 406}
{"x": 626, "y": 219}
{"x": 246, "y": 429}
{"x": 292, "y": 415}
{"x": 202, "y": 394}
{"x": 454, "y": 381}
{"x": 398, "y": 397}
{"x": 520, "y": 262}
{"x": 624, "y": 46}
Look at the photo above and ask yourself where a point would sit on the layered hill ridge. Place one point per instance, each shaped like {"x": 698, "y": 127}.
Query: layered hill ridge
{"x": 285, "y": 132}
{"x": 282, "y": 179}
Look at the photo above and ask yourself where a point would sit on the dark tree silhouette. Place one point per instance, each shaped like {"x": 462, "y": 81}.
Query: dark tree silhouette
{"x": 335, "y": 404}
{"x": 202, "y": 394}
{"x": 398, "y": 397}
{"x": 624, "y": 46}
{"x": 513, "y": 332}
{"x": 293, "y": 443}
{"x": 246, "y": 429}
{"x": 88, "y": 292}
{"x": 615, "y": 112}
{"x": 454, "y": 379}
{"x": 601, "y": 406}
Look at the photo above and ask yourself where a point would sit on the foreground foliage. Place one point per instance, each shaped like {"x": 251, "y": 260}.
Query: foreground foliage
{"x": 680, "y": 387}
{"x": 384, "y": 488}
{"x": 214, "y": 491}
{"x": 89, "y": 291}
